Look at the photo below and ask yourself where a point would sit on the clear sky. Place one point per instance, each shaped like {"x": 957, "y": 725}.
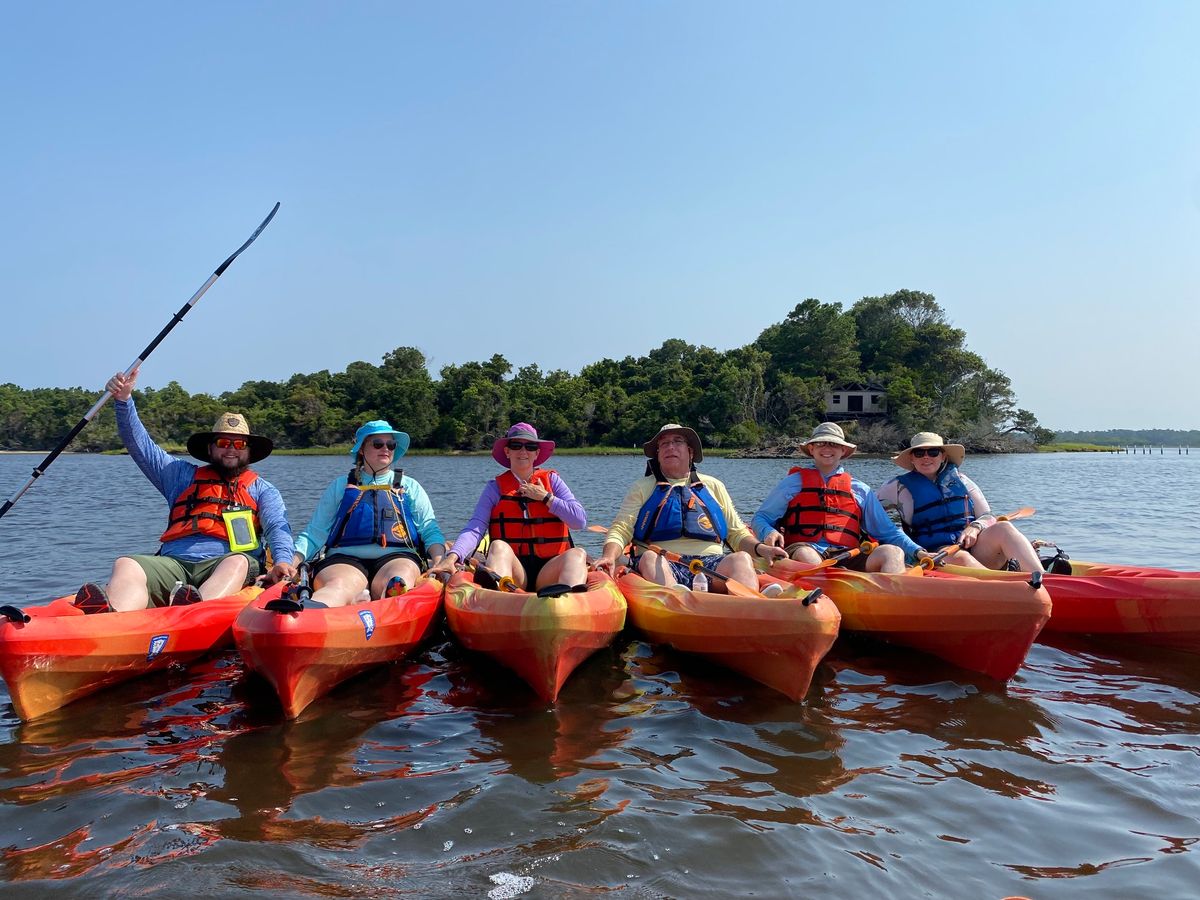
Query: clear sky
{"x": 562, "y": 182}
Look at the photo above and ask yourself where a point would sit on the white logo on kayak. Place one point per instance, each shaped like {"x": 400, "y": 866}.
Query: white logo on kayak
{"x": 157, "y": 644}
{"x": 368, "y": 620}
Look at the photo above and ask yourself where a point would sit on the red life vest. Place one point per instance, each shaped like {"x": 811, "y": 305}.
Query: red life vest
{"x": 528, "y": 526}
{"x": 198, "y": 509}
{"x": 822, "y": 511}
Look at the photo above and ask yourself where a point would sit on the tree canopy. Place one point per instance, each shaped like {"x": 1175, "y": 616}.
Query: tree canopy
{"x": 772, "y": 390}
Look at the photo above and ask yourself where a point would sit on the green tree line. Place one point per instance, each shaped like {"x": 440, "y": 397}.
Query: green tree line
{"x": 769, "y": 392}
{"x": 1125, "y": 437}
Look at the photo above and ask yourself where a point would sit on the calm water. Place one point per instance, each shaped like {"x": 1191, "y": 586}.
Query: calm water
{"x": 654, "y": 775}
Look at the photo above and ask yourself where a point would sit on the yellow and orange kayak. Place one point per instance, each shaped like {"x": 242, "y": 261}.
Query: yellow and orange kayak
{"x": 985, "y": 627}
{"x": 1136, "y": 605}
{"x": 777, "y": 641}
{"x": 61, "y": 654}
{"x": 542, "y": 639}
{"x": 305, "y": 654}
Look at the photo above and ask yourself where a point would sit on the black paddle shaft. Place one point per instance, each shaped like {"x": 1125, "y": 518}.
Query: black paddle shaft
{"x": 99, "y": 404}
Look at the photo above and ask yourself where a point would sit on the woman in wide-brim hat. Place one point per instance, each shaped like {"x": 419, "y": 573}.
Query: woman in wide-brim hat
{"x": 528, "y": 513}
{"x": 940, "y": 507}
{"x": 375, "y": 525}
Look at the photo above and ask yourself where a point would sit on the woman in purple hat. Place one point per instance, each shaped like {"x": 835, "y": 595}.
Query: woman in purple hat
{"x": 527, "y": 512}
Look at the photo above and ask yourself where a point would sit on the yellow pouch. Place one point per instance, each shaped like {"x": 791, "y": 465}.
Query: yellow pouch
{"x": 239, "y": 529}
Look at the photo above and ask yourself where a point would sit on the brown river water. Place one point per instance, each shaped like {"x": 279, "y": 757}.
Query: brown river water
{"x": 655, "y": 775}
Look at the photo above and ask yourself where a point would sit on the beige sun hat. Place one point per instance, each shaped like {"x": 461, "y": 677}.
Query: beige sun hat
{"x": 830, "y": 433}
{"x": 954, "y": 452}
{"x": 229, "y": 423}
{"x": 650, "y": 448}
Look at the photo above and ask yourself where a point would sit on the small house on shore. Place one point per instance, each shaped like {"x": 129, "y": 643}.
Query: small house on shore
{"x": 856, "y": 400}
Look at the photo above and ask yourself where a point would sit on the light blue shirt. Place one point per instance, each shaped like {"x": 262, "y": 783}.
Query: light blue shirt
{"x": 316, "y": 533}
{"x": 172, "y": 476}
{"x": 875, "y": 521}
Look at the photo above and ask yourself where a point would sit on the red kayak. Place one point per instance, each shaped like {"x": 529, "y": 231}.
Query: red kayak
{"x": 777, "y": 641}
{"x": 61, "y": 654}
{"x": 986, "y": 627}
{"x": 542, "y": 639}
{"x": 305, "y": 654}
{"x": 1137, "y": 605}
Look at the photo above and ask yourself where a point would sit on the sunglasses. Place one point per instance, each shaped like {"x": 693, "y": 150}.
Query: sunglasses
{"x": 235, "y": 443}
{"x": 927, "y": 451}
{"x": 380, "y": 445}
{"x": 531, "y": 446}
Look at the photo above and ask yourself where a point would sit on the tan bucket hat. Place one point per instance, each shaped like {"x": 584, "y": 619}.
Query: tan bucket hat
{"x": 830, "y": 433}
{"x": 229, "y": 423}
{"x": 650, "y": 448}
{"x": 954, "y": 452}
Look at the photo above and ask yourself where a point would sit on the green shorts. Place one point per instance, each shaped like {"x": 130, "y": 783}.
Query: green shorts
{"x": 162, "y": 572}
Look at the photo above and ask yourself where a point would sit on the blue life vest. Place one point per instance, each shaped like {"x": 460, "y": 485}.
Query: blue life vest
{"x": 941, "y": 509}
{"x": 375, "y": 514}
{"x": 680, "y": 511}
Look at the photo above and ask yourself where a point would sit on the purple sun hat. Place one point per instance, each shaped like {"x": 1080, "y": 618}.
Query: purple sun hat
{"x": 522, "y": 431}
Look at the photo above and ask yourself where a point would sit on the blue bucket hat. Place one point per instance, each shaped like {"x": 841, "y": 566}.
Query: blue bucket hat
{"x": 380, "y": 426}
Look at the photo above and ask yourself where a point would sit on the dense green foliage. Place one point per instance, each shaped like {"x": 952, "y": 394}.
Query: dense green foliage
{"x": 768, "y": 392}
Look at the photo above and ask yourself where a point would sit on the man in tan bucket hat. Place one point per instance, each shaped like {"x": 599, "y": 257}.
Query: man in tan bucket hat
{"x": 221, "y": 513}
{"x": 820, "y": 509}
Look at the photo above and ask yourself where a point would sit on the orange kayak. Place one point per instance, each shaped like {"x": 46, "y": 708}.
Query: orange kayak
{"x": 1135, "y": 604}
{"x": 306, "y": 654}
{"x": 985, "y": 627}
{"x": 61, "y": 654}
{"x": 542, "y": 639}
{"x": 777, "y": 641}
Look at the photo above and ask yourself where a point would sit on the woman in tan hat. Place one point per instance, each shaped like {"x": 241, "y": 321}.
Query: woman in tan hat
{"x": 820, "y": 508}
{"x": 684, "y": 512}
{"x": 940, "y": 506}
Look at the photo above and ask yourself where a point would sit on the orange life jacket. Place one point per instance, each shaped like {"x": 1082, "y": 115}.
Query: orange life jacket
{"x": 528, "y": 526}
{"x": 198, "y": 509}
{"x": 822, "y": 511}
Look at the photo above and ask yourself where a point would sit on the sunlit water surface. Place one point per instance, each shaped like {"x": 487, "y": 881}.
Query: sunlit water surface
{"x": 655, "y": 775}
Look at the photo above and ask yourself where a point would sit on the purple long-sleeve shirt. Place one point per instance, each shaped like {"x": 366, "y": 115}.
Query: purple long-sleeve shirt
{"x": 563, "y": 504}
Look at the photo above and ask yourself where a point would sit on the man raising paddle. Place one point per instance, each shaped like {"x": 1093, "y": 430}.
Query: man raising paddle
{"x": 211, "y": 547}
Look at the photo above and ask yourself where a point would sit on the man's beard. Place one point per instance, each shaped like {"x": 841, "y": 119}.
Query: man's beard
{"x": 229, "y": 473}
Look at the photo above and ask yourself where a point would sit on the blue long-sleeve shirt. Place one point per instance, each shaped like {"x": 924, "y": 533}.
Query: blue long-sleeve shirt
{"x": 171, "y": 476}
{"x": 875, "y": 520}
{"x": 316, "y": 533}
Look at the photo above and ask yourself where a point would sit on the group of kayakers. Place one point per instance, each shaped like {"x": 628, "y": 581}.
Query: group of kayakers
{"x": 374, "y": 532}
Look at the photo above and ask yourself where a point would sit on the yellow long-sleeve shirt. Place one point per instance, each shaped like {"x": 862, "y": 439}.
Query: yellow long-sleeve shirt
{"x": 621, "y": 531}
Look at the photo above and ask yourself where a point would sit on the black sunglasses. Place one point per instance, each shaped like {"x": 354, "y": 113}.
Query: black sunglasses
{"x": 379, "y": 445}
{"x": 927, "y": 451}
{"x": 531, "y": 446}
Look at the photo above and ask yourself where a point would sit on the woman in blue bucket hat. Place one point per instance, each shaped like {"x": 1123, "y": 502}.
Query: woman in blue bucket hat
{"x": 374, "y": 528}
{"x": 528, "y": 513}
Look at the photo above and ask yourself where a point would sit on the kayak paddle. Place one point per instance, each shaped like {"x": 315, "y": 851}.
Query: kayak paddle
{"x": 175, "y": 320}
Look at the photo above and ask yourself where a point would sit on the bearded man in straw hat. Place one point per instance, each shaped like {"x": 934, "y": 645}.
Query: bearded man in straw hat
{"x": 685, "y": 513}
{"x": 212, "y": 545}
{"x": 940, "y": 506}
{"x": 820, "y": 510}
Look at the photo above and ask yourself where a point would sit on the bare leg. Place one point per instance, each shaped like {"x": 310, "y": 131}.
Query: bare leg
{"x": 739, "y": 567}
{"x": 654, "y": 568}
{"x": 503, "y": 562}
{"x": 806, "y": 553}
{"x": 886, "y": 558}
{"x": 227, "y": 578}
{"x": 127, "y": 588}
{"x": 965, "y": 559}
{"x": 338, "y": 585}
{"x": 569, "y": 567}
{"x": 1001, "y": 542}
{"x": 402, "y": 568}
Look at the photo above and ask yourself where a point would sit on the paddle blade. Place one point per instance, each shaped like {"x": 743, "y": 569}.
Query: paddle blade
{"x": 1023, "y": 513}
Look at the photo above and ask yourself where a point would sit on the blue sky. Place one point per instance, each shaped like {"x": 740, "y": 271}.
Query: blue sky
{"x": 562, "y": 182}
